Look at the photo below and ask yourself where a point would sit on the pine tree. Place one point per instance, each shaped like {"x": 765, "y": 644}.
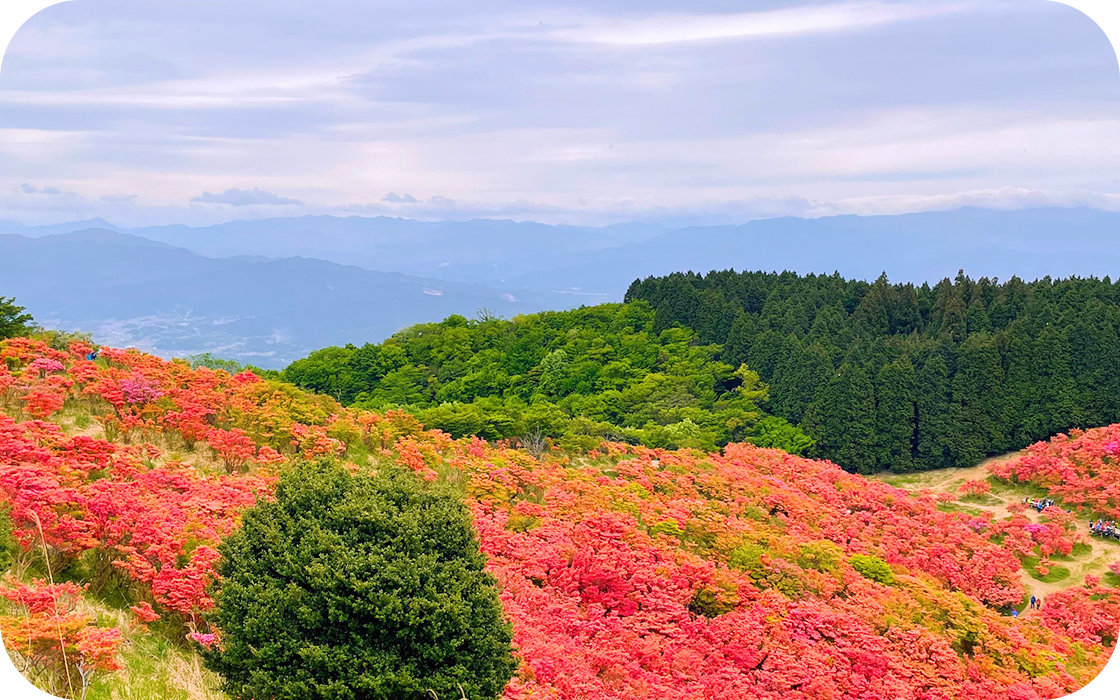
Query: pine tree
{"x": 873, "y": 315}
{"x": 842, "y": 420}
{"x": 737, "y": 348}
{"x": 932, "y": 404}
{"x": 13, "y": 320}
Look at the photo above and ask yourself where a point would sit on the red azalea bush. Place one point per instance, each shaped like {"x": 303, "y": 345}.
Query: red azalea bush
{"x": 46, "y": 633}
{"x": 1081, "y": 469}
{"x": 632, "y": 573}
{"x": 975, "y": 487}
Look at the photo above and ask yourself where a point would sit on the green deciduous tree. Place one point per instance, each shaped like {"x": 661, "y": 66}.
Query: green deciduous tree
{"x": 13, "y": 320}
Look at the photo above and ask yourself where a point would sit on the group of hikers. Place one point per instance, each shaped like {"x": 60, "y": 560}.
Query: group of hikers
{"x": 1099, "y": 527}
{"x": 1039, "y": 504}
{"x": 1105, "y": 528}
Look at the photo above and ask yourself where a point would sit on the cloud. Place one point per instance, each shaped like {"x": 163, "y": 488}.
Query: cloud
{"x": 435, "y": 200}
{"x": 580, "y": 112}
{"x": 677, "y": 28}
{"x": 49, "y": 190}
{"x": 242, "y": 198}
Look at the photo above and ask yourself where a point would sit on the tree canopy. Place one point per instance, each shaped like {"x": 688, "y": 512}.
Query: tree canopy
{"x": 578, "y": 376}
{"x": 902, "y": 377}
{"x": 13, "y": 320}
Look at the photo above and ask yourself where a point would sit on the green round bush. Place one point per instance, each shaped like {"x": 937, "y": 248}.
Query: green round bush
{"x": 872, "y": 567}
{"x": 351, "y": 587}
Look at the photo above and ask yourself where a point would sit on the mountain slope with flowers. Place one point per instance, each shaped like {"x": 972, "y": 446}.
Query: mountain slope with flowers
{"x": 627, "y": 572}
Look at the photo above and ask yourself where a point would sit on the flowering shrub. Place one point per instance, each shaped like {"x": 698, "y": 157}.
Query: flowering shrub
{"x": 633, "y": 572}
{"x": 975, "y": 487}
{"x": 1081, "y": 469}
{"x": 47, "y": 634}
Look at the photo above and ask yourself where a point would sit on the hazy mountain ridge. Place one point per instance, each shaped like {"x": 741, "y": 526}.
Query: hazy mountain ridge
{"x": 922, "y": 247}
{"x": 278, "y": 288}
{"x": 136, "y": 291}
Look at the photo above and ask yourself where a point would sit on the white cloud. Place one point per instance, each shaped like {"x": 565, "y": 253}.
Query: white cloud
{"x": 676, "y": 28}
{"x": 583, "y": 116}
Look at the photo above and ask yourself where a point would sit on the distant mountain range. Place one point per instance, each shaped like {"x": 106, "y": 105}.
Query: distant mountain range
{"x": 270, "y": 290}
{"x": 483, "y": 250}
{"x": 918, "y": 248}
{"x": 132, "y": 291}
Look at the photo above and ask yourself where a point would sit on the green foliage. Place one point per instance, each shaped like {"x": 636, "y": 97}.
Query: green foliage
{"x": 13, "y": 320}
{"x": 208, "y": 360}
{"x": 823, "y": 555}
{"x": 778, "y": 433}
{"x": 9, "y": 548}
{"x": 872, "y": 567}
{"x": 61, "y": 340}
{"x": 897, "y": 377}
{"x": 747, "y": 557}
{"x": 707, "y": 603}
{"x": 1055, "y": 573}
{"x": 576, "y": 377}
{"x": 353, "y": 587}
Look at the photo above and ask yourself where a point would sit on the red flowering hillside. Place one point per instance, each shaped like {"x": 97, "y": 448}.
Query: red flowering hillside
{"x": 1081, "y": 469}
{"x": 628, "y": 573}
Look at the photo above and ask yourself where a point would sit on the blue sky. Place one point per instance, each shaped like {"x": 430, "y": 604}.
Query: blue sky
{"x": 578, "y": 112}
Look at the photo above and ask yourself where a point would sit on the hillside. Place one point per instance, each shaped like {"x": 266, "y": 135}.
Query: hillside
{"x": 899, "y": 376}
{"x": 576, "y": 377}
{"x": 266, "y": 292}
{"x": 487, "y": 251}
{"x": 629, "y": 572}
{"x": 133, "y": 291}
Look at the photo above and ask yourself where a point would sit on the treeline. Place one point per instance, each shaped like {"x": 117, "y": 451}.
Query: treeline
{"x": 900, "y": 377}
{"x": 574, "y": 377}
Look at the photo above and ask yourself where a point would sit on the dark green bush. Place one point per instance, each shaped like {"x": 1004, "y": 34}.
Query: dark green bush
{"x": 353, "y": 587}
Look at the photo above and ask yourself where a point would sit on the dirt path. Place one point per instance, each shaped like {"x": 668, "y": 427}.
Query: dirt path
{"x": 1094, "y": 560}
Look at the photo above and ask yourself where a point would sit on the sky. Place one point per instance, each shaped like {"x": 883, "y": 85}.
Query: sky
{"x": 590, "y": 113}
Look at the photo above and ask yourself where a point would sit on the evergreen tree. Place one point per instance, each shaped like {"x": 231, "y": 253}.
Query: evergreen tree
{"x": 976, "y": 429}
{"x": 895, "y": 416}
{"x": 358, "y": 587}
{"x": 737, "y": 347}
{"x": 842, "y": 420}
{"x": 793, "y": 382}
{"x": 873, "y": 315}
{"x": 932, "y": 403}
